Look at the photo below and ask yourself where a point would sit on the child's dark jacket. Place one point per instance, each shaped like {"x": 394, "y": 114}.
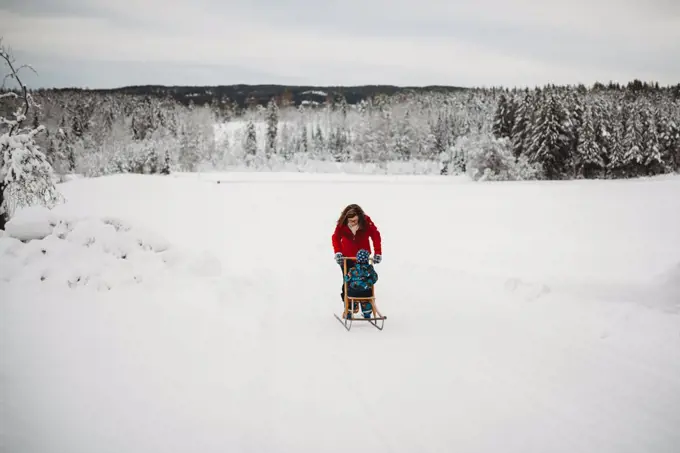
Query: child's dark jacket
{"x": 361, "y": 278}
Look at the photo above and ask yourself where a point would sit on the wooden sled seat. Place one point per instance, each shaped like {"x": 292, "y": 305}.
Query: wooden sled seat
{"x": 353, "y": 299}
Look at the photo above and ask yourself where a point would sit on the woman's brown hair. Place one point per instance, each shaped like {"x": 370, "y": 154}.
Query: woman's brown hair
{"x": 351, "y": 211}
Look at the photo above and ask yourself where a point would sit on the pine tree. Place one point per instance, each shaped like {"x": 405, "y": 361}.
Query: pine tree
{"x": 653, "y": 161}
{"x": 521, "y": 129}
{"x": 588, "y": 156}
{"x": 550, "y": 139}
{"x": 632, "y": 163}
{"x": 672, "y": 141}
{"x": 504, "y": 117}
{"x": 616, "y": 118}
{"x": 319, "y": 141}
{"x": 250, "y": 144}
{"x": 272, "y": 127}
{"x": 575, "y": 124}
{"x": 440, "y": 134}
{"x": 305, "y": 139}
{"x": 405, "y": 138}
{"x": 165, "y": 168}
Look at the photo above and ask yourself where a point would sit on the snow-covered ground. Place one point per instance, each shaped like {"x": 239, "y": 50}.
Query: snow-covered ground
{"x": 175, "y": 314}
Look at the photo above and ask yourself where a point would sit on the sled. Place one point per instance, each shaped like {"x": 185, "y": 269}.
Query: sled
{"x": 352, "y": 304}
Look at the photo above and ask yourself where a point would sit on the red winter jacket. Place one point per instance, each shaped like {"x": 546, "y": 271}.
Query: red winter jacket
{"x": 345, "y": 242}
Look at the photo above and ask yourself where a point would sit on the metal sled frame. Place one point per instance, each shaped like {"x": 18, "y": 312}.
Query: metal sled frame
{"x": 376, "y": 316}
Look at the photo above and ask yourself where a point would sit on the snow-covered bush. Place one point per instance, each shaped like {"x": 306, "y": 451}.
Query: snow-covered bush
{"x": 487, "y": 158}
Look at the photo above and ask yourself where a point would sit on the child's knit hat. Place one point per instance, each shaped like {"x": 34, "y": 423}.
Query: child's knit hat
{"x": 362, "y": 256}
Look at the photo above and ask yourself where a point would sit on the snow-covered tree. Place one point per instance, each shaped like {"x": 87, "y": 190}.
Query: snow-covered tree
{"x": 250, "y": 143}
{"x": 588, "y": 156}
{"x": 26, "y": 177}
{"x": 504, "y": 118}
{"x": 272, "y": 127}
{"x": 651, "y": 149}
{"x": 574, "y": 124}
{"x": 631, "y": 142}
{"x": 521, "y": 128}
{"x": 550, "y": 138}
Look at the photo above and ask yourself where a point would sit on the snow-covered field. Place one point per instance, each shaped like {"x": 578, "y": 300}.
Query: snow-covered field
{"x": 175, "y": 314}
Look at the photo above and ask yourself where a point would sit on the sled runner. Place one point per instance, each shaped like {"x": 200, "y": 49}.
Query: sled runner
{"x": 352, "y": 311}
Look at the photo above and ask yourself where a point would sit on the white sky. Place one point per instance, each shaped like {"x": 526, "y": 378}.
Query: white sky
{"x": 99, "y": 43}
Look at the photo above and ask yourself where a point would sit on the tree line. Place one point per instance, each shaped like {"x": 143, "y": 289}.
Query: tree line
{"x": 550, "y": 132}
{"x": 576, "y": 133}
{"x": 556, "y": 132}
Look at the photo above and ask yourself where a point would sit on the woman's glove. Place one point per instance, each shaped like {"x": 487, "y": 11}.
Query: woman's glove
{"x": 377, "y": 259}
{"x": 338, "y": 258}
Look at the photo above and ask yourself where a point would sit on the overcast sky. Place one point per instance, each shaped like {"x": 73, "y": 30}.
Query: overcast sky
{"x": 104, "y": 43}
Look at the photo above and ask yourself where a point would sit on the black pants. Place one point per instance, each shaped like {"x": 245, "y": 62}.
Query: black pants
{"x": 350, "y": 264}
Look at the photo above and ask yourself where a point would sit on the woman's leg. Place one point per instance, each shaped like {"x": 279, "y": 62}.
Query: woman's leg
{"x": 350, "y": 264}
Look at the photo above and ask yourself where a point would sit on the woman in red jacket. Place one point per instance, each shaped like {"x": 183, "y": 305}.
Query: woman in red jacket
{"x": 352, "y": 233}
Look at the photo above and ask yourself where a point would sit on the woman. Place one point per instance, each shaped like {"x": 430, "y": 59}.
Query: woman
{"x": 352, "y": 233}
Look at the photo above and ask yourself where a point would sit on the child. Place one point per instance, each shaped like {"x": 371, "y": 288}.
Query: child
{"x": 360, "y": 280}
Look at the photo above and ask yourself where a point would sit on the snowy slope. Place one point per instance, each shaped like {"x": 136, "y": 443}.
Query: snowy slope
{"x": 522, "y": 317}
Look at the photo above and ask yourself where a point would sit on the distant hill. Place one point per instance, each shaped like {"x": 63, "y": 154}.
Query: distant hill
{"x": 229, "y": 97}
{"x": 244, "y": 95}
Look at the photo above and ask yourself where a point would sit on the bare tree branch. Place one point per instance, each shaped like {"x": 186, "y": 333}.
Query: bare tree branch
{"x": 4, "y": 79}
{"x": 27, "y": 66}
{"x": 4, "y": 54}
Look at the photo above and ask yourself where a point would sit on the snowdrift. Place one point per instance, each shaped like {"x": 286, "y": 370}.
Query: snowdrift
{"x": 43, "y": 247}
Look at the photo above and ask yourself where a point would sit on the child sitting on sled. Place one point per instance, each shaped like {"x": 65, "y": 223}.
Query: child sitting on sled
{"x": 360, "y": 280}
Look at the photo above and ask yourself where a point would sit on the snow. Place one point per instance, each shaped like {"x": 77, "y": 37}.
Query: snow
{"x": 315, "y": 92}
{"x": 522, "y": 317}
{"x": 34, "y": 222}
{"x": 99, "y": 253}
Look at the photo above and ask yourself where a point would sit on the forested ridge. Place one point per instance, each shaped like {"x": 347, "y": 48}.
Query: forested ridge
{"x": 488, "y": 133}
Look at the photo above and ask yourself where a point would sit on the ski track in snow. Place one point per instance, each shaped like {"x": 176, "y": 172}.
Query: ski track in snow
{"x": 522, "y": 317}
